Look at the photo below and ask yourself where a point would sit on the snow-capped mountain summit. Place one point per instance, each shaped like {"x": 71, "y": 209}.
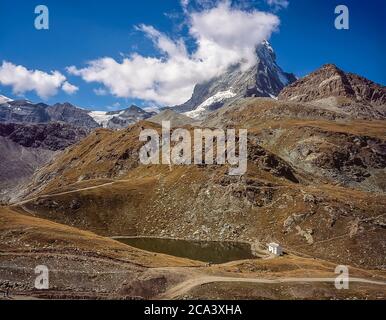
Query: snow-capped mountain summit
{"x": 264, "y": 79}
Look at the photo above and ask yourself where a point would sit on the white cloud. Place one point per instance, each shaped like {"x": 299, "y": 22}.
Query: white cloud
{"x": 278, "y": 4}
{"x": 23, "y": 80}
{"x": 100, "y": 92}
{"x": 224, "y": 35}
{"x": 69, "y": 88}
{"x": 184, "y": 5}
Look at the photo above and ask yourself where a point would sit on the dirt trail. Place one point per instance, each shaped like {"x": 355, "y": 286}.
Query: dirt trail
{"x": 87, "y": 256}
{"x": 21, "y": 203}
{"x": 190, "y": 284}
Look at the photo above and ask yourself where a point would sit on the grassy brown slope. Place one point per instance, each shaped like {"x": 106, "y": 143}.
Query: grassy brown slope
{"x": 21, "y": 233}
{"x": 81, "y": 264}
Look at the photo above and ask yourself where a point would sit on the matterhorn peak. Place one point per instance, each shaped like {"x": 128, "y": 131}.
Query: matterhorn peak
{"x": 264, "y": 79}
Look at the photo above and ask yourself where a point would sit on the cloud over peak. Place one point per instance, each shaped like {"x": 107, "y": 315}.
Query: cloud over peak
{"x": 224, "y": 35}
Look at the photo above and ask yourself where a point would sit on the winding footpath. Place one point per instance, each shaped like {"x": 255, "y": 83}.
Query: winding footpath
{"x": 184, "y": 287}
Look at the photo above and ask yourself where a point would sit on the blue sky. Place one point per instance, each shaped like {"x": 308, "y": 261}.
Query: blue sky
{"x": 84, "y": 31}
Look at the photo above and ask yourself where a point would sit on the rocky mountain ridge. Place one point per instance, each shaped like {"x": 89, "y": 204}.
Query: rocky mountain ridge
{"x": 26, "y": 112}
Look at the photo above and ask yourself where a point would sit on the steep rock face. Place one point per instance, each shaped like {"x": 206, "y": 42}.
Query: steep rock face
{"x": 26, "y": 148}
{"x": 330, "y": 81}
{"x": 51, "y": 136}
{"x": 25, "y": 112}
{"x": 68, "y": 113}
{"x": 17, "y": 165}
{"x": 265, "y": 79}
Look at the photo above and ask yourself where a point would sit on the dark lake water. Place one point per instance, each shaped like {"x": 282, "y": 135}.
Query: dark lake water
{"x": 206, "y": 251}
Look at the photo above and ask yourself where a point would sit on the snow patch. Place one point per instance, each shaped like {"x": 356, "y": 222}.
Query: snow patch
{"x": 203, "y": 107}
{"x": 101, "y": 117}
{"x": 4, "y": 99}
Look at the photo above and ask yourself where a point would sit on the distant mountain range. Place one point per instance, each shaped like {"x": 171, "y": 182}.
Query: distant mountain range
{"x": 328, "y": 86}
{"x": 26, "y": 112}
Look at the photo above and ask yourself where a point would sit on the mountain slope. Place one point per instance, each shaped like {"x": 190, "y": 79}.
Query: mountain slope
{"x": 265, "y": 79}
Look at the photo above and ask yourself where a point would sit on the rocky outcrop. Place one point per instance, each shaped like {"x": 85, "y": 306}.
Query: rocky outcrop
{"x": 51, "y": 136}
{"x": 330, "y": 81}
